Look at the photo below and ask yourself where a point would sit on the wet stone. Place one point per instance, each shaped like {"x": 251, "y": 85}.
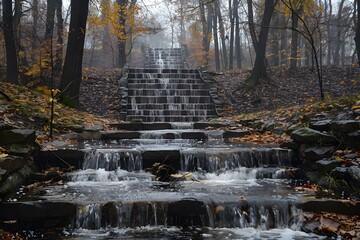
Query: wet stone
{"x": 120, "y": 135}
{"x": 32, "y": 215}
{"x": 62, "y": 158}
{"x": 187, "y": 213}
{"x": 200, "y": 136}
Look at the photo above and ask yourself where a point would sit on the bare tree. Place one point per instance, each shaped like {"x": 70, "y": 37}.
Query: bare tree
{"x": 357, "y": 30}
{"x": 72, "y": 70}
{"x": 259, "y": 43}
{"x": 9, "y": 36}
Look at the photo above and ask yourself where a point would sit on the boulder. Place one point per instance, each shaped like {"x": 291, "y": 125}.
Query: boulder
{"x": 70, "y": 136}
{"x": 308, "y": 135}
{"x": 21, "y": 149}
{"x": 341, "y": 173}
{"x": 318, "y": 152}
{"x": 352, "y": 140}
{"x": 268, "y": 125}
{"x": 89, "y": 135}
{"x": 326, "y": 165}
{"x": 291, "y": 128}
{"x": 25, "y": 136}
{"x": 57, "y": 144}
{"x": 354, "y": 172}
{"x": 12, "y": 163}
{"x": 5, "y": 126}
{"x": 290, "y": 145}
{"x": 324, "y": 125}
{"x": 76, "y": 128}
{"x": 345, "y": 126}
{"x": 3, "y": 174}
{"x": 15, "y": 180}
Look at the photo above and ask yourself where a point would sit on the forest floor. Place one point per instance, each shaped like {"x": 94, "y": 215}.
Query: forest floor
{"x": 286, "y": 88}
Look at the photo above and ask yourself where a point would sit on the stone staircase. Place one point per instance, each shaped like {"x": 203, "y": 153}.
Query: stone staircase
{"x": 170, "y": 58}
{"x": 166, "y": 92}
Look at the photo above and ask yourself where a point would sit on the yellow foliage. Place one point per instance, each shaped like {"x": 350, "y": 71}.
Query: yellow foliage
{"x": 118, "y": 19}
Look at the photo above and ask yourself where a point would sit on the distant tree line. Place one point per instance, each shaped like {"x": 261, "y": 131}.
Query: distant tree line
{"x": 44, "y": 43}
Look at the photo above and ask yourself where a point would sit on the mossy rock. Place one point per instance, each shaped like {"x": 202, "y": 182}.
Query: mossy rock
{"x": 24, "y": 136}
{"x": 308, "y": 135}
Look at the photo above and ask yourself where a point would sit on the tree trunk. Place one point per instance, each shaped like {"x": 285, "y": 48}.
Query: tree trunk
{"x": 283, "y": 42}
{"x": 357, "y": 31}
{"x": 259, "y": 70}
{"x": 216, "y": 41}
{"x": 328, "y": 20}
{"x": 50, "y": 14}
{"x": 294, "y": 39}
{"x": 72, "y": 70}
{"x": 34, "y": 35}
{"x": 122, "y": 39}
{"x": 275, "y": 48}
{"x": 59, "y": 38}
{"x": 339, "y": 28}
{"x": 222, "y": 34}
{"x": 105, "y": 7}
{"x": 9, "y": 37}
{"x": 205, "y": 38}
{"x": 21, "y": 53}
{"x": 237, "y": 35}
{"x": 232, "y": 29}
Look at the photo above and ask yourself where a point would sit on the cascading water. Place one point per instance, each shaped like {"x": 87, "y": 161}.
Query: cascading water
{"x": 228, "y": 191}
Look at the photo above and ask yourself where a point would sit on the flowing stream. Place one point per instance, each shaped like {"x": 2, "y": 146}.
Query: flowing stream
{"x": 228, "y": 192}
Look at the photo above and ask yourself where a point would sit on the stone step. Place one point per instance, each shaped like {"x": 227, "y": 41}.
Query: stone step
{"x": 164, "y": 75}
{"x": 168, "y": 92}
{"x": 179, "y": 106}
{"x": 165, "y": 52}
{"x": 169, "y": 99}
{"x": 165, "y": 86}
{"x": 139, "y": 126}
{"x": 165, "y": 60}
{"x": 152, "y": 70}
{"x": 189, "y": 160}
{"x": 165, "y": 81}
{"x": 171, "y": 66}
{"x": 193, "y": 212}
{"x": 168, "y": 118}
{"x": 206, "y": 112}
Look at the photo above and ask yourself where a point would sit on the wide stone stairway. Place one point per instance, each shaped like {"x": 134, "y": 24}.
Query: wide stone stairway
{"x": 166, "y": 91}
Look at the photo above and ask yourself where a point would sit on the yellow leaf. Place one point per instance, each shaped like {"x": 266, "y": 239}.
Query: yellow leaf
{"x": 2, "y": 155}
